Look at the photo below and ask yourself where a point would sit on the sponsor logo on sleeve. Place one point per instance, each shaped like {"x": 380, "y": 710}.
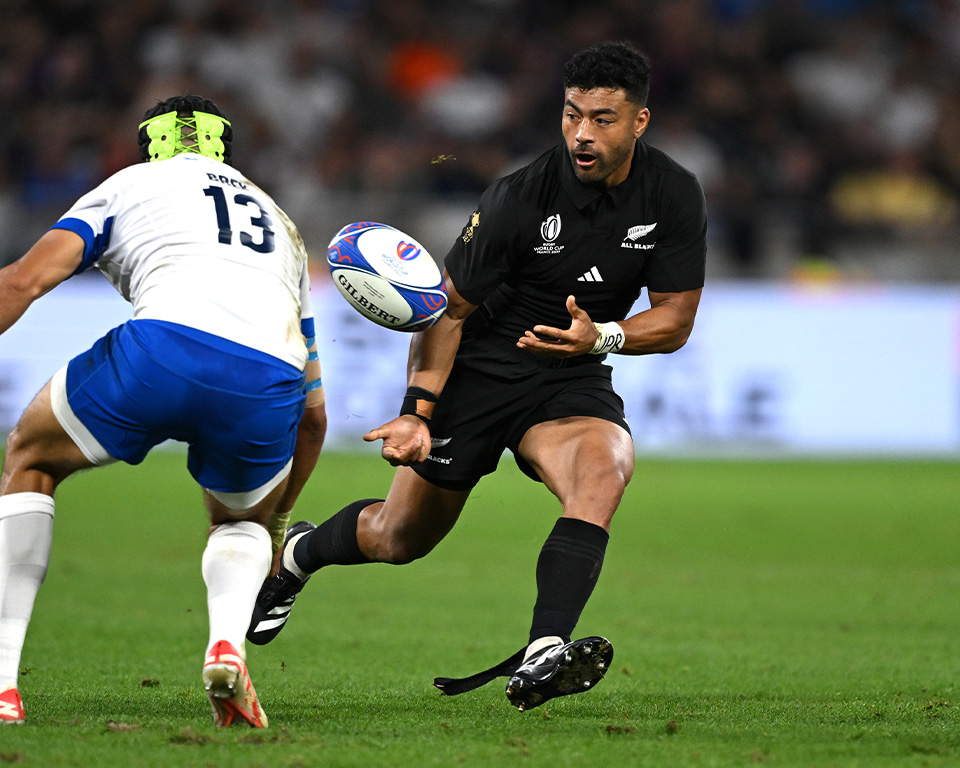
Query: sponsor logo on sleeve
{"x": 474, "y": 223}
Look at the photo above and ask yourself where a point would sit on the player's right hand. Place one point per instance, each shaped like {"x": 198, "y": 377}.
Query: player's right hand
{"x": 406, "y": 440}
{"x": 578, "y": 339}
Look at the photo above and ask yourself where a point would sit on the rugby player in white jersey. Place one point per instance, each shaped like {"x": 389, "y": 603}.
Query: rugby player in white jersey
{"x": 219, "y": 354}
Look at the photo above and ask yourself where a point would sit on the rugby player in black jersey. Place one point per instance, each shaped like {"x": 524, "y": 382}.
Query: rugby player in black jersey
{"x": 540, "y": 283}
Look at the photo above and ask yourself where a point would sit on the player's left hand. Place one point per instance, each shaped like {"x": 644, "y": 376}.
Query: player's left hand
{"x": 578, "y": 339}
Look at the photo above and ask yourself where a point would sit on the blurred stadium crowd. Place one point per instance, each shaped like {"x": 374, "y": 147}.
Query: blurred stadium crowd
{"x": 825, "y": 132}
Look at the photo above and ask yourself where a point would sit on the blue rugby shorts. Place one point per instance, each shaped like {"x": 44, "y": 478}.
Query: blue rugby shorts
{"x": 148, "y": 381}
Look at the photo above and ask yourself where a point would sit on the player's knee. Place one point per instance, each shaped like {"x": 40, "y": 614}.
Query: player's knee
{"x": 597, "y": 490}
{"x": 13, "y": 440}
{"x": 20, "y": 470}
{"x": 15, "y": 455}
{"x": 612, "y": 476}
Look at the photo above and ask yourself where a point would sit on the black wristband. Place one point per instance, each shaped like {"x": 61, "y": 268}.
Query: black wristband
{"x": 410, "y": 402}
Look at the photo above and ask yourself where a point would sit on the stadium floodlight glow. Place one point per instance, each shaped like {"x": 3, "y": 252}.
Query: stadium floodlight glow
{"x": 171, "y": 135}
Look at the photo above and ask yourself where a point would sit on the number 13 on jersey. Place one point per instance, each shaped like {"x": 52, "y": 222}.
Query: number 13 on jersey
{"x": 263, "y": 221}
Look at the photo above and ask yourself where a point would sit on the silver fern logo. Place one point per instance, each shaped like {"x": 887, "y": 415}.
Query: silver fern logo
{"x": 635, "y": 233}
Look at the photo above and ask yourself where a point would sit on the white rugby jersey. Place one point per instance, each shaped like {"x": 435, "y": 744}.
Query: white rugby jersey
{"x": 190, "y": 240}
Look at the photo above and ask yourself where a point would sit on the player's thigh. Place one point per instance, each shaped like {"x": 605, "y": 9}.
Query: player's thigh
{"x": 259, "y": 512}
{"x": 39, "y": 452}
{"x": 586, "y": 462}
{"x": 413, "y": 519}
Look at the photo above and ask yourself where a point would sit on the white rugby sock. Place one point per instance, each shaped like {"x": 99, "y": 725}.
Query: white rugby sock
{"x": 540, "y": 644}
{"x": 289, "y": 562}
{"x": 26, "y": 535}
{"x": 235, "y": 563}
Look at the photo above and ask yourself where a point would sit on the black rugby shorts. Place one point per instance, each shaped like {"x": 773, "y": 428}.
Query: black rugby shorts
{"x": 479, "y": 415}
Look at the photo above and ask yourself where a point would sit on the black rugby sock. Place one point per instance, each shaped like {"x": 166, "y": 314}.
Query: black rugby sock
{"x": 333, "y": 542}
{"x": 567, "y": 571}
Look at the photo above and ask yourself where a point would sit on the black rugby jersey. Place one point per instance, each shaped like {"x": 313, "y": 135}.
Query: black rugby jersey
{"x": 540, "y": 235}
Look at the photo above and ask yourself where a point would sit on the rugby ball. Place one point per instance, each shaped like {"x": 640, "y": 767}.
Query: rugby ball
{"x": 387, "y": 276}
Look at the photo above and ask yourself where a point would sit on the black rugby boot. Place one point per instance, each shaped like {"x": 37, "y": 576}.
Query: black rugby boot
{"x": 559, "y": 671}
{"x": 272, "y": 609}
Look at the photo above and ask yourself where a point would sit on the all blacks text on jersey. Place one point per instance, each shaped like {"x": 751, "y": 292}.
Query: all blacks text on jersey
{"x": 635, "y": 233}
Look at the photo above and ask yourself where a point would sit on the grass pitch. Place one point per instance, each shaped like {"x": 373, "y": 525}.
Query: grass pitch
{"x": 773, "y": 613}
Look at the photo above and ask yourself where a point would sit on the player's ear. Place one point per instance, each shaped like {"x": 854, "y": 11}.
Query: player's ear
{"x": 641, "y": 122}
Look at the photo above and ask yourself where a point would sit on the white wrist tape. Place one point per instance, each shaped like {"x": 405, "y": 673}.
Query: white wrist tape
{"x": 610, "y": 338}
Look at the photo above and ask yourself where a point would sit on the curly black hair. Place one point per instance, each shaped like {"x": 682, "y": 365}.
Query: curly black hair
{"x": 185, "y": 105}
{"x": 610, "y": 65}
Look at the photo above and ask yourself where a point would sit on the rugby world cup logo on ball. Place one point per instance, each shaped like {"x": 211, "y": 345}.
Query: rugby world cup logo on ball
{"x": 387, "y": 276}
{"x": 407, "y": 251}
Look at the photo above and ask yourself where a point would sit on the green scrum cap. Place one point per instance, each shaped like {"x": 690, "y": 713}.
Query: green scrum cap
{"x": 166, "y": 135}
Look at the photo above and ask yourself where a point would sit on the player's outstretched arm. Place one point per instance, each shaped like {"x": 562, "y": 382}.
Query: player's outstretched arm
{"x": 53, "y": 258}
{"x": 406, "y": 439}
{"x": 665, "y": 327}
{"x": 432, "y": 351}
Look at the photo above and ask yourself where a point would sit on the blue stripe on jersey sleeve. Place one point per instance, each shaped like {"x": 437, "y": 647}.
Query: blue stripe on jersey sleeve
{"x": 93, "y": 244}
